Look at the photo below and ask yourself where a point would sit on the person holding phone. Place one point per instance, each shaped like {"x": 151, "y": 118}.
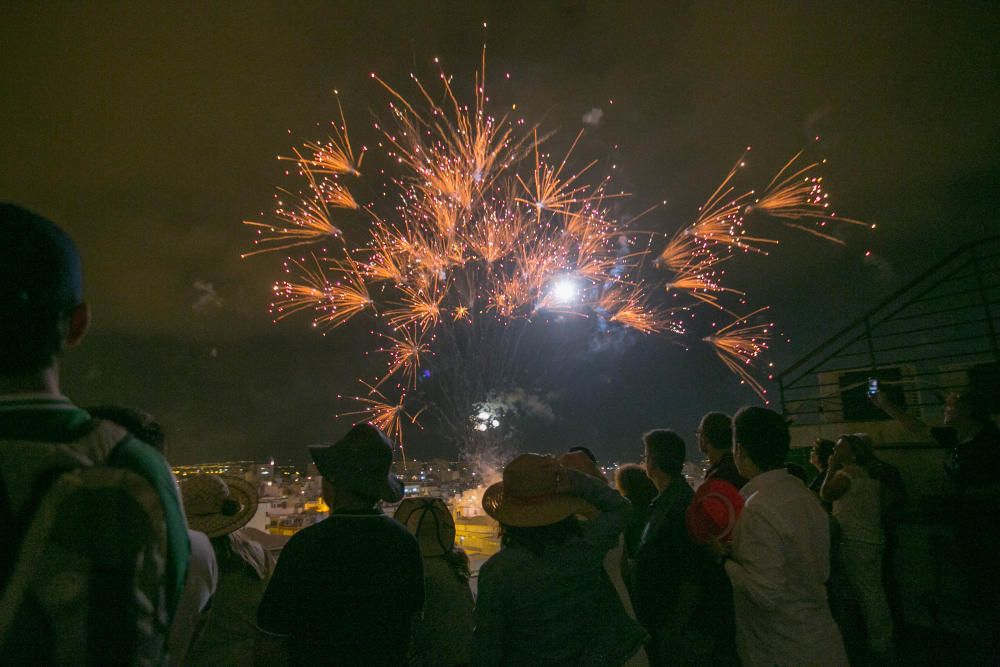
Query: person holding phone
{"x": 853, "y": 486}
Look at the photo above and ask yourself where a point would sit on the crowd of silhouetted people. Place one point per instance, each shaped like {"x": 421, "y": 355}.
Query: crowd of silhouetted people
{"x": 105, "y": 559}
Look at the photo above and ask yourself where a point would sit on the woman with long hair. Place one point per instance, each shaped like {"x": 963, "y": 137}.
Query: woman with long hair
{"x": 854, "y": 488}
{"x": 545, "y": 598}
{"x": 632, "y": 483}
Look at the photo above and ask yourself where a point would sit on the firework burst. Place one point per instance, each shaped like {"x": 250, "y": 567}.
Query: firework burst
{"x": 479, "y": 233}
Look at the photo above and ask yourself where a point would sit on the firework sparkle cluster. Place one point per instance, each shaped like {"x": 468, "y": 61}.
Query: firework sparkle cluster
{"x": 483, "y": 223}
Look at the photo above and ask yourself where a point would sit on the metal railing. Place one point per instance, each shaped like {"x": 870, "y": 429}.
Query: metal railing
{"x": 935, "y": 334}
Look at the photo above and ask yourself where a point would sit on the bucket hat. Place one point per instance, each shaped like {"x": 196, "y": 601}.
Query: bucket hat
{"x": 429, "y": 520}
{"x": 360, "y": 462}
{"x": 527, "y": 498}
{"x": 217, "y": 505}
{"x": 713, "y": 511}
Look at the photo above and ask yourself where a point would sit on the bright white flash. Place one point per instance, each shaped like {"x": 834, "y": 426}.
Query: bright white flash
{"x": 565, "y": 291}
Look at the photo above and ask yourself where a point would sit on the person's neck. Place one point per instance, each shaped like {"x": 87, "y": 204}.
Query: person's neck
{"x": 715, "y": 454}
{"x": 661, "y": 481}
{"x": 42, "y": 382}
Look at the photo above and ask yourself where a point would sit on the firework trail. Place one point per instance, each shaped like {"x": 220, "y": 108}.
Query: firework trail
{"x": 798, "y": 196}
{"x": 384, "y": 414}
{"x": 739, "y": 343}
{"x": 333, "y": 301}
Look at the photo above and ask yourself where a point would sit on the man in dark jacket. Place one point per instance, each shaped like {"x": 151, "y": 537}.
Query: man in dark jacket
{"x": 346, "y": 589}
{"x": 665, "y": 576}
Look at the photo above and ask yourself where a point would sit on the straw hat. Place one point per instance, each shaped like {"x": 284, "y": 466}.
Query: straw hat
{"x": 217, "y": 505}
{"x": 527, "y": 495}
{"x": 713, "y": 512}
{"x": 429, "y": 520}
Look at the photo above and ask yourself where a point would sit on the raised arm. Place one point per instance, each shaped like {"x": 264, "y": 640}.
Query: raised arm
{"x": 909, "y": 422}
{"x": 601, "y": 531}
{"x": 836, "y": 483}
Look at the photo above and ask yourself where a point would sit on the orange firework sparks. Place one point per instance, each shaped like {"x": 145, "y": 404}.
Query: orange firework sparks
{"x": 387, "y": 261}
{"x": 800, "y": 196}
{"x": 420, "y": 306}
{"x": 335, "y": 156}
{"x": 593, "y": 238}
{"x": 681, "y": 251}
{"x": 720, "y": 218}
{"x": 384, "y": 414}
{"x": 305, "y": 222}
{"x": 739, "y": 343}
{"x": 464, "y": 154}
{"x": 334, "y": 302}
{"x": 632, "y": 309}
{"x": 496, "y": 234}
{"x": 405, "y": 354}
{"x": 549, "y": 192}
{"x": 336, "y": 195}
{"x": 701, "y": 281}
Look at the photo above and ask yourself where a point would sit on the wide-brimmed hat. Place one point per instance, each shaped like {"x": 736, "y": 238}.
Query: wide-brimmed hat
{"x": 526, "y": 497}
{"x": 429, "y": 520}
{"x": 713, "y": 512}
{"x": 217, "y": 505}
{"x": 360, "y": 462}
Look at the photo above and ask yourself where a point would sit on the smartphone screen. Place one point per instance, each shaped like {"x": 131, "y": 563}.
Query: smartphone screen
{"x": 872, "y": 386}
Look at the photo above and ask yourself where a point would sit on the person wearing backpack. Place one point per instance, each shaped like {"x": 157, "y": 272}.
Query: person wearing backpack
{"x": 95, "y": 544}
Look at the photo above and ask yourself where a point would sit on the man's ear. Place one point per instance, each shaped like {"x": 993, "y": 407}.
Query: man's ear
{"x": 79, "y": 322}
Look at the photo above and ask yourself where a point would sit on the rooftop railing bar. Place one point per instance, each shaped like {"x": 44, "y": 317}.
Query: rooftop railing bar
{"x": 837, "y": 386}
{"x": 948, "y": 315}
{"x": 938, "y": 312}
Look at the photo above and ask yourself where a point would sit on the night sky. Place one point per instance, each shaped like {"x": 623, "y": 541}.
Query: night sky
{"x": 150, "y": 132}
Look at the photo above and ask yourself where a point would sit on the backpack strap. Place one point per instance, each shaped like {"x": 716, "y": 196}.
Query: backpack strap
{"x": 35, "y": 460}
{"x": 67, "y": 478}
{"x": 38, "y": 465}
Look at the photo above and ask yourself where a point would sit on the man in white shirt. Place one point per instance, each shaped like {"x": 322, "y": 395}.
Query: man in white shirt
{"x": 780, "y": 555}
{"x": 196, "y": 599}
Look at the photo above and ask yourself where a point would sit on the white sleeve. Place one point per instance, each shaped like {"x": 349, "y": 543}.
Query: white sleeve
{"x": 758, "y": 562}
